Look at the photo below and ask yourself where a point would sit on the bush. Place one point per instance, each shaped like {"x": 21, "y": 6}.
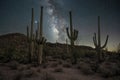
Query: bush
{"x": 23, "y": 67}
{"x": 59, "y": 69}
{"x": 13, "y": 65}
{"x": 18, "y": 76}
{"x": 60, "y": 62}
{"x": 67, "y": 65}
{"x": 45, "y": 65}
{"x": 55, "y": 64}
{"x": 109, "y": 69}
{"x": 13, "y": 54}
{"x": 1, "y": 77}
{"x": 85, "y": 68}
{"x": 47, "y": 76}
{"x": 30, "y": 73}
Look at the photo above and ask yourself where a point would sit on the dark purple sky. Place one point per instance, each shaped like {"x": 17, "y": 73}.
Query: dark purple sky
{"x": 15, "y": 15}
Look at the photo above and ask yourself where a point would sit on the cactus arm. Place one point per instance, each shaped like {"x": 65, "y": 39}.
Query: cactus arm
{"x": 75, "y": 35}
{"x": 95, "y": 40}
{"x": 105, "y": 42}
{"x": 44, "y": 40}
{"x": 38, "y": 28}
{"x": 27, "y": 33}
{"x": 68, "y": 33}
{"x": 36, "y": 36}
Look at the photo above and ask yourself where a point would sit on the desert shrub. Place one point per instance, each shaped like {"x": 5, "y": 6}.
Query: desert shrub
{"x": 30, "y": 73}
{"x": 64, "y": 56}
{"x": 12, "y": 53}
{"x": 55, "y": 64}
{"x": 109, "y": 69}
{"x": 27, "y": 73}
{"x": 94, "y": 65}
{"x": 45, "y": 65}
{"x": 114, "y": 57}
{"x": 6, "y": 55}
{"x": 1, "y": 76}
{"x": 114, "y": 78}
{"x": 78, "y": 66}
{"x": 60, "y": 62}
{"x": 85, "y": 68}
{"x": 18, "y": 76}
{"x": 67, "y": 65}
{"x": 47, "y": 76}
{"x": 75, "y": 56}
{"x": 90, "y": 54}
{"x": 74, "y": 78}
{"x": 58, "y": 69}
{"x": 24, "y": 67}
{"x": 39, "y": 70}
{"x": 13, "y": 65}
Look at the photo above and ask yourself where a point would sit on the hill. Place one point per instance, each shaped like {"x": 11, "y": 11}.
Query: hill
{"x": 19, "y": 42}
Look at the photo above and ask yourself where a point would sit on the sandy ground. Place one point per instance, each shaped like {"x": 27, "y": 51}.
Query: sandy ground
{"x": 51, "y": 72}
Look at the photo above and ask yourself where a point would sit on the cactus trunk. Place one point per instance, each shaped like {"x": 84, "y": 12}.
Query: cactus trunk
{"x": 41, "y": 41}
{"x": 40, "y": 53}
{"x": 71, "y": 28}
{"x": 30, "y": 38}
{"x": 37, "y": 41}
{"x": 32, "y": 43}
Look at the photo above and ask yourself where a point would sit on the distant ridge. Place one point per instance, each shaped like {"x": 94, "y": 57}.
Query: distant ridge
{"x": 19, "y": 41}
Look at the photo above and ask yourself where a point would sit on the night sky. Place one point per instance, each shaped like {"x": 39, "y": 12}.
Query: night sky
{"x": 15, "y": 15}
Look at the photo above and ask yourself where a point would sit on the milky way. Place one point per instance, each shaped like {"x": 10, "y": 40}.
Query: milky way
{"x": 55, "y": 20}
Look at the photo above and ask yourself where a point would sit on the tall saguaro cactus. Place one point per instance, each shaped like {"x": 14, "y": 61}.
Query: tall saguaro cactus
{"x": 30, "y": 37}
{"x": 41, "y": 40}
{"x": 97, "y": 43}
{"x": 36, "y": 40}
{"x": 73, "y": 34}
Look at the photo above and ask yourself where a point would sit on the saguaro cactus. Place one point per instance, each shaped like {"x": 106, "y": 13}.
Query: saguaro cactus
{"x": 97, "y": 43}
{"x": 72, "y": 35}
{"x": 40, "y": 40}
{"x": 30, "y": 37}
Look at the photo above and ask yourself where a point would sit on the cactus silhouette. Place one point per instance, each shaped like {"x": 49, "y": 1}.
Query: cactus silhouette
{"x": 67, "y": 46}
{"x": 97, "y": 43}
{"x": 72, "y": 35}
{"x": 30, "y": 37}
{"x": 36, "y": 41}
{"x": 40, "y": 40}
